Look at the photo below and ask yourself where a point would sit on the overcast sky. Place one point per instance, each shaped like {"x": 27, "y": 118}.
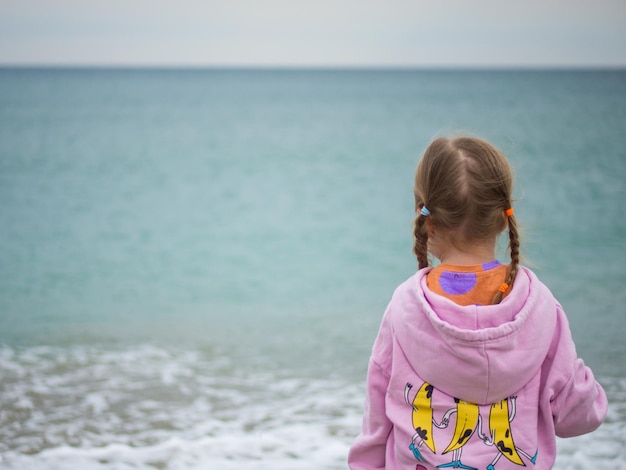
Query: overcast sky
{"x": 314, "y": 33}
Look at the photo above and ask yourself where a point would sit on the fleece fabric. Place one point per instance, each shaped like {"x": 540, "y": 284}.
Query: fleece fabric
{"x": 476, "y": 386}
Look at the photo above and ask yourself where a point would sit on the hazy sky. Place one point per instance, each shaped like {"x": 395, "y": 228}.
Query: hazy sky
{"x": 312, "y": 33}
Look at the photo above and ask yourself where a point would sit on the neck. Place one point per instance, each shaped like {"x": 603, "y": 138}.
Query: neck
{"x": 470, "y": 254}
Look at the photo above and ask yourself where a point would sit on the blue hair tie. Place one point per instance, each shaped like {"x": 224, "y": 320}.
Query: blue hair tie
{"x": 425, "y": 212}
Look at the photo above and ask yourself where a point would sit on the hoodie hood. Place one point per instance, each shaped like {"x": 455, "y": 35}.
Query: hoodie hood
{"x": 480, "y": 354}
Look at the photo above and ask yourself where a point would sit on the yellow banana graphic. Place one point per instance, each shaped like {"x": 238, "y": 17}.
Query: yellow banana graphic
{"x": 501, "y": 431}
{"x": 423, "y": 415}
{"x": 466, "y": 421}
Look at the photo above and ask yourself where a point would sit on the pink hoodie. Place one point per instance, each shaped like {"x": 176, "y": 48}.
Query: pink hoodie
{"x": 483, "y": 387}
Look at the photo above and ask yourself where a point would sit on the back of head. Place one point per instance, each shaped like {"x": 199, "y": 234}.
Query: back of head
{"x": 466, "y": 184}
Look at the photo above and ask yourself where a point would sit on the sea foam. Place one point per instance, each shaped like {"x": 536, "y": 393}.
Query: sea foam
{"x": 148, "y": 407}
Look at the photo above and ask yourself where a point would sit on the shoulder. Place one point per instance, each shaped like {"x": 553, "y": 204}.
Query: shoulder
{"x": 544, "y": 310}
{"x": 405, "y": 311}
{"x": 412, "y": 285}
{"x": 406, "y": 296}
{"x": 403, "y": 300}
{"x": 528, "y": 284}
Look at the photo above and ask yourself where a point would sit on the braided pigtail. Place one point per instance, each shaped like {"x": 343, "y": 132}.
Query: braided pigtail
{"x": 515, "y": 258}
{"x": 420, "y": 247}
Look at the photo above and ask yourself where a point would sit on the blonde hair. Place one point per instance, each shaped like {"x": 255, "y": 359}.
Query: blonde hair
{"x": 466, "y": 184}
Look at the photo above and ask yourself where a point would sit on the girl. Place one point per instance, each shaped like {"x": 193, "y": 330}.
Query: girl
{"x": 474, "y": 365}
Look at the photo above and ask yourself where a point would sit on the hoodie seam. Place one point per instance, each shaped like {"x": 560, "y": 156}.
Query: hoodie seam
{"x": 381, "y": 368}
{"x": 488, "y": 373}
{"x": 480, "y": 341}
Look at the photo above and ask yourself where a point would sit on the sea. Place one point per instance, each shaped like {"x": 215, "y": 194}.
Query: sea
{"x": 194, "y": 262}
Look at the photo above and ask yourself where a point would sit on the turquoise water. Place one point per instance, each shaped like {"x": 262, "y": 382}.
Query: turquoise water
{"x": 250, "y": 226}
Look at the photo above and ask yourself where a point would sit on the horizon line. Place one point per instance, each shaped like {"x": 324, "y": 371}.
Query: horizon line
{"x": 318, "y": 67}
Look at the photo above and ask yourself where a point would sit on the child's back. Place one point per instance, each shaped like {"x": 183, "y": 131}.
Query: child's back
{"x": 474, "y": 365}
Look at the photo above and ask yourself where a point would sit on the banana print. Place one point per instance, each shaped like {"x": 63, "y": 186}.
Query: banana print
{"x": 422, "y": 415}
{"x": 466, "y": 422}
{"x": 500, "y": 426}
